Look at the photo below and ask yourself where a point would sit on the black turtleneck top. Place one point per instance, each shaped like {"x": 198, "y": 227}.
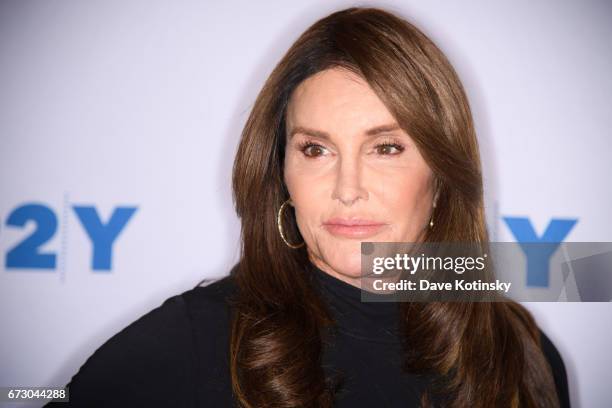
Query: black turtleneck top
{"x": 176, "y": 355}
{"x": 366, "y": 346}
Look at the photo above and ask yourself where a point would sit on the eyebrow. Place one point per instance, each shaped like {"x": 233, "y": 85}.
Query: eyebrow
{"x": 324, "y": 135}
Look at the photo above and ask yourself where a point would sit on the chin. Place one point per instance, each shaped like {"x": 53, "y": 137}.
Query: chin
{"x": 347, "y": 260}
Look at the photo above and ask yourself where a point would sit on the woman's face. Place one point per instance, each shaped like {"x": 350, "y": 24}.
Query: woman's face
{"x": 347, "y": 162}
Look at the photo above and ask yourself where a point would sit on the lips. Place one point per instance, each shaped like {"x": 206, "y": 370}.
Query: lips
{"x": 352, "y": 221}
{"x": 353, "y": 227}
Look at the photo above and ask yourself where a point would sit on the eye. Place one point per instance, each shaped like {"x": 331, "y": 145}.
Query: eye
{"x": 311, "y": 149}
{"x": 389, "y": 148}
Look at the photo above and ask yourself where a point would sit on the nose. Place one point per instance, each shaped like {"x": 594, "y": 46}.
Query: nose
{"x": 349, "y": 182}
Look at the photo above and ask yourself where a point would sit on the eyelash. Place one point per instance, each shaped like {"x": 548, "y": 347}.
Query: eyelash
{"x": 387, "y": 143}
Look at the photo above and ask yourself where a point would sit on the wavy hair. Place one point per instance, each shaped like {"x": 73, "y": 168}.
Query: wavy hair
{"x": 484, "y": 354}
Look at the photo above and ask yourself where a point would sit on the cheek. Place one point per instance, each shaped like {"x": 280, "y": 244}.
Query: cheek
{"x": 402, "y": 197}
{"x": 407, "y": 196}
{"x": 306, "y": 190}
{"x": 293, "y": 176}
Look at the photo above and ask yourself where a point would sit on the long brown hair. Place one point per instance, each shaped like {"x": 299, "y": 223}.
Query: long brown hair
{"x": 484, "y": 354}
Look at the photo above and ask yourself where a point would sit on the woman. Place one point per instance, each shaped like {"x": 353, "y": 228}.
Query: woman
{"x": 362, "y": 132}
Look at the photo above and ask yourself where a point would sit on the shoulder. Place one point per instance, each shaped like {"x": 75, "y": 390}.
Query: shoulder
{"x": 212, "y": 295}
{"x": 157, "y": 359}
{"x": 557, "y": 366}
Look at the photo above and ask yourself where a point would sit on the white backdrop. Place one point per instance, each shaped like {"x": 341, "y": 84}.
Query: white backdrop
{"x": 140, "y": 104}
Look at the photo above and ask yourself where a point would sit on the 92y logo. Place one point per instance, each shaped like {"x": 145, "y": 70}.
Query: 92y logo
{"x": 538, "y": 256}
{"x": 26, "y": 254}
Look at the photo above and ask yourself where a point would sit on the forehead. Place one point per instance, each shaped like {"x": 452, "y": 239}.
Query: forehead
{"x": 336, "y": 97}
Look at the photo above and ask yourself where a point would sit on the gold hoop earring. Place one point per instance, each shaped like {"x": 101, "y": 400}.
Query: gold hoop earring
{"x": 431, "y": 223}
{"x": 280, "y": 226}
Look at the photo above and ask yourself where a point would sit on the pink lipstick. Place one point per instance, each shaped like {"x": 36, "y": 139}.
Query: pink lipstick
{"x": 353, "y": 227}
